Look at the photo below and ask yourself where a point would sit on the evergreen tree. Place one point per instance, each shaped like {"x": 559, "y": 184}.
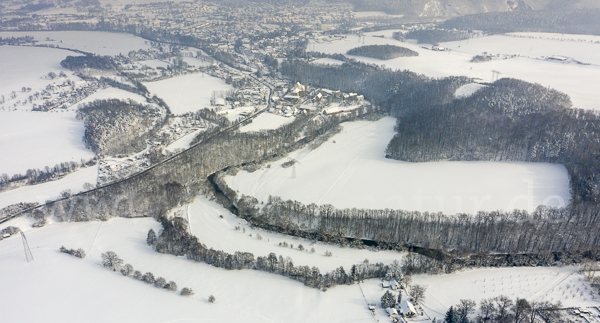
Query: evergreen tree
{"x": 450, "y": 316}
{"x": 388, "y": 300}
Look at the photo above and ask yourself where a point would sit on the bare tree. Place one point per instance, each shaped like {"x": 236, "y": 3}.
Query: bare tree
{"x": 418, "y": 292}
{"x": 111, "y": 261}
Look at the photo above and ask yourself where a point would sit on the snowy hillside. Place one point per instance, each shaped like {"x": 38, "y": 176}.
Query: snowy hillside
{"x": 38, "y": 139}
{"x": 100, "y": 43}
{"x": 40, "y": 193}
{"x": 89, "y": 293}
{"x": 578, "y": 81}
{"x": 266, "y": 121}
{"x": 187, "y": 93}
{"x": 350, "y": 170}
{"x": 28, "y": 67}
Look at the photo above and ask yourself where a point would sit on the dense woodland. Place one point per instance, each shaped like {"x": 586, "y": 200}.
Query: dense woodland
{"x": 383, "y": 52}
{"x": 508, "y": 120}
{"x": 434, "y": 36}
{"x": 88, "y": 61}
{"x": 407, "y": 89}
{"x": 571, "y": 21}
{"x": 114, "y": 127}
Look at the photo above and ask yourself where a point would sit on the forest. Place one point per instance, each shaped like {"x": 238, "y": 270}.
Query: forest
{"x": 508, "y": 120}
{"x": 408, "y": 90}
{"x": 114, "y": 127}
{"x": 382, "y": 52}
{"x": 571, "y": 21}
{"x": 434, "y": 36}
{"x": 75, "y": 63}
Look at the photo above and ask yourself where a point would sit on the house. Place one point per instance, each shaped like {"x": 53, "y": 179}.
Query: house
{"x": 219, "y": 102}
{"x": 408, "y": 309}
{"x": 392, "y": 312}
{"x": 299, "y": 89}
{"x": 394, "y": 285}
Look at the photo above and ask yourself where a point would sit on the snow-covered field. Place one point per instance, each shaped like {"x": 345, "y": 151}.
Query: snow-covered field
{"x": 154, "y": 63}
{"x": 220, "y": 233}
{"x": 564, "y": 284}
{"x": 578, "y": 81}
{"x": 234, "y": 114}
{"x": 113, "y": 93}
{"x": 67, "y": 289}
{"x": 350, "y": 170}
{"x": 187, "y": 93}
{"x": 467, "y": 90}
{"x": 23, "y": 66}
{"x": 529, "y": 45}
{"x": 266, "y": 121}
{"x": 183, "y": 142}
{"x": 50, "y": 190}
{"x": 38, "y": 139}
{"x": 553, "y": 284}
{"x": 96, "y": 42}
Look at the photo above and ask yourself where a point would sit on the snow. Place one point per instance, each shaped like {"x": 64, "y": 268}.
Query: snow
{"x": 529, "y": 45}
{"x": 113, "y": 93}
{"x": 220, "y": 233}
{"x": 50, "y": 190}
{"x": 25, "y": 66}
{"x": 154, "y": 63}
{"x": 233, "y": 114}
{"x": 183, "y": 142}
{"x": 196, "y": 62}
{"x": 467, "y": 90}
{"x": 68, "y": 289}
{"x": 327, "y": 61}
{"x": 266, "y": 121}
{"x": 349, "y": 170}
{"x": 96, "y": 42}
{"x": 578, "y": 81}
{"x": 38, "y": 139}
{"x": 187, "y": 93}
{"x": 531, "y": 283}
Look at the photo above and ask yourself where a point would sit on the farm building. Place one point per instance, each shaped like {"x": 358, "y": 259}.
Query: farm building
{"x": 394, "y": 285}
{"x": 392, "y": 312}
{"x": 408, "y": 309}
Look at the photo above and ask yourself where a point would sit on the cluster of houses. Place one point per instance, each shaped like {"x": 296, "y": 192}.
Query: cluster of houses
{"x": 405, "y": 309}
{"x": 300, "y": 99}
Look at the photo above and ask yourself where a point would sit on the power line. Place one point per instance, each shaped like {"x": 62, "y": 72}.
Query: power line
{"x": 28, "y": 254}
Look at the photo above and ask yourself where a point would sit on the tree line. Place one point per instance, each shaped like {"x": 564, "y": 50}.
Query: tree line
{"x": 383, "y": 52}
{"x": 36, "y": 176}
{"x": 546, "y": 230}
{"x": 176, "y": 240}
{"x": 570, "y": 21}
